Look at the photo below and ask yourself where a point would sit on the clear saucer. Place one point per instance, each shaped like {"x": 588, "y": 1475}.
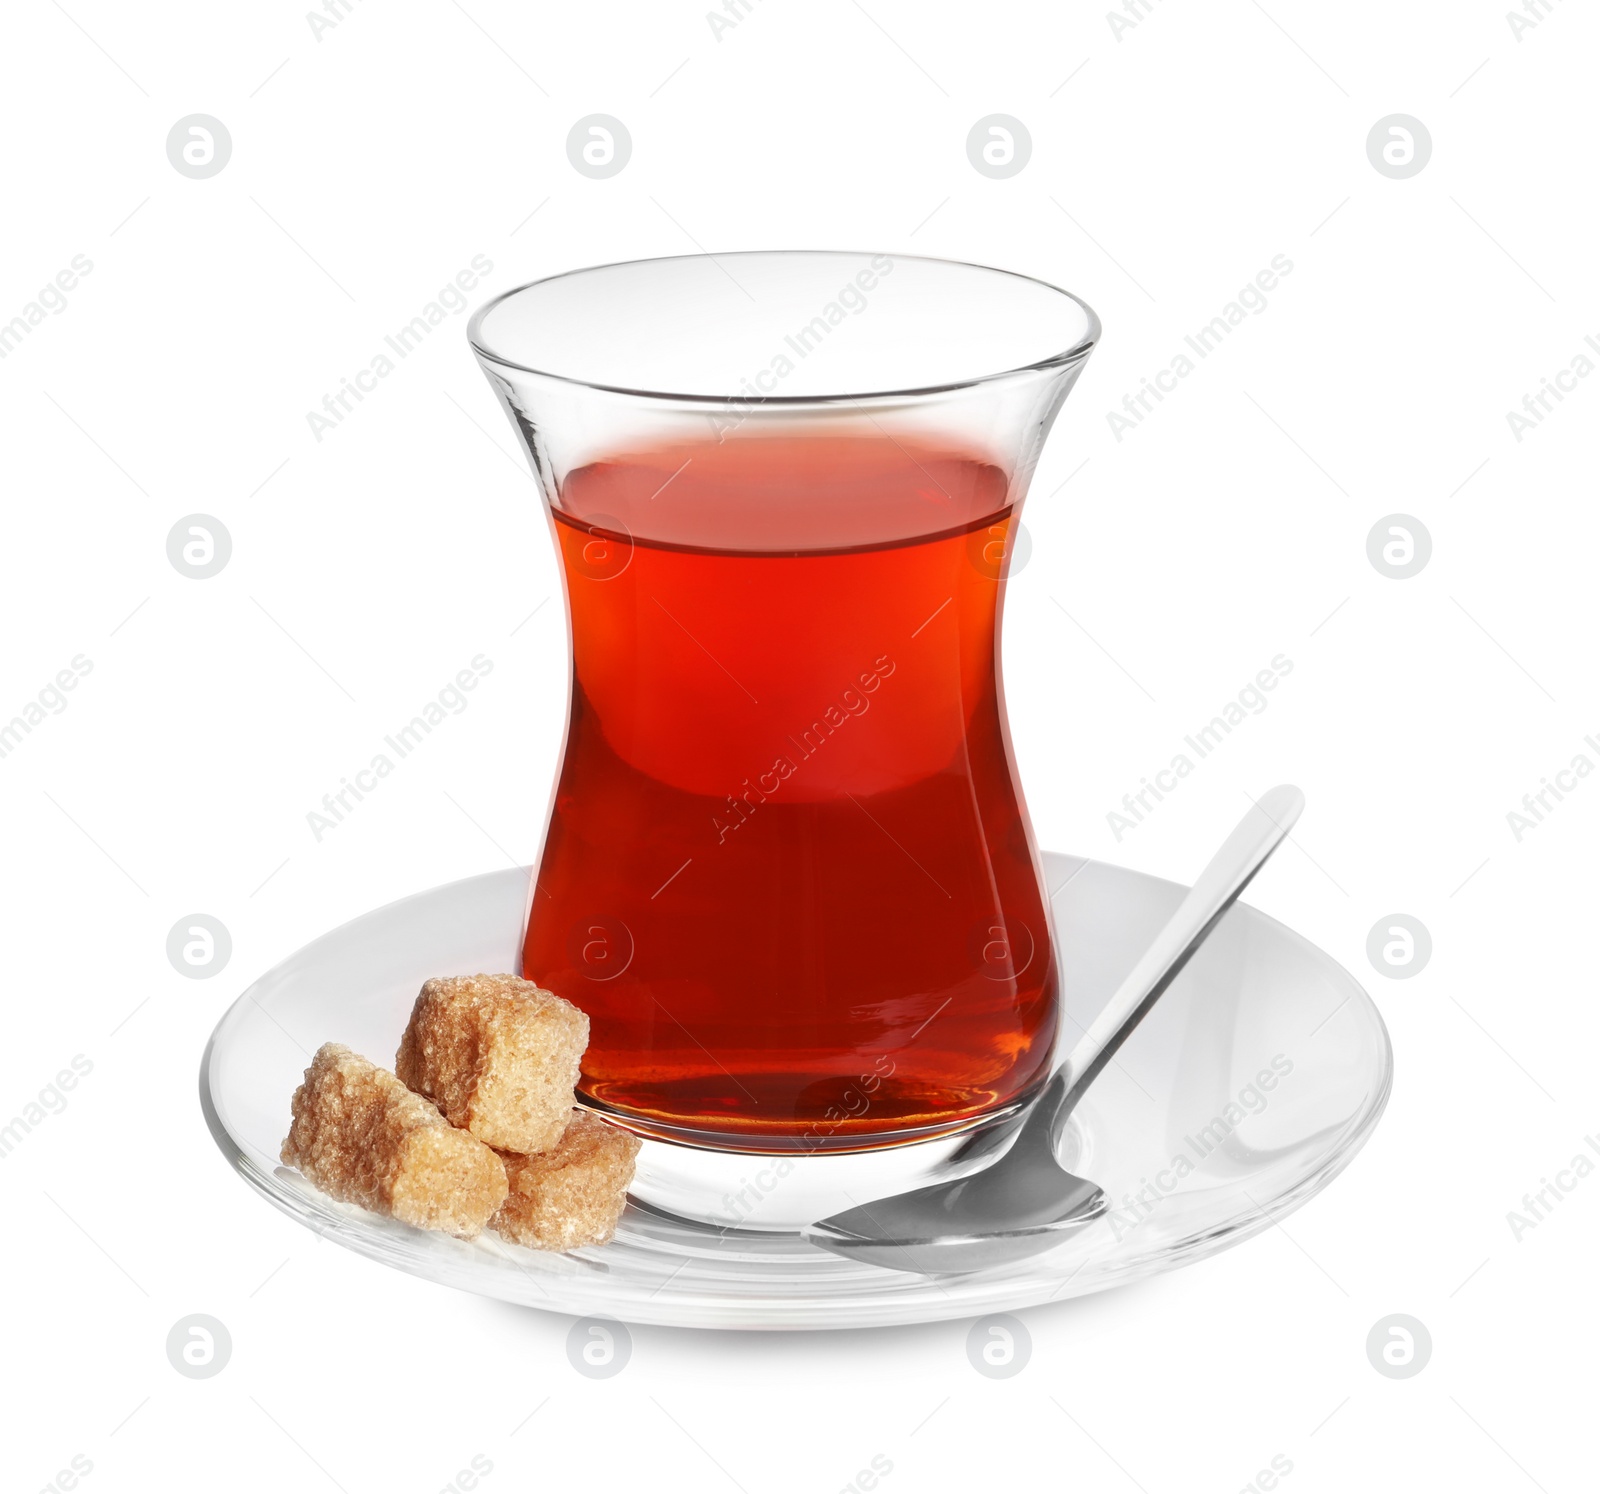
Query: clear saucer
{"x": 1245, "y": 1092}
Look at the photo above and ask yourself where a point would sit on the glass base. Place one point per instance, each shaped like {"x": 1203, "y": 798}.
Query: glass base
{"x": 782, "y": 1191}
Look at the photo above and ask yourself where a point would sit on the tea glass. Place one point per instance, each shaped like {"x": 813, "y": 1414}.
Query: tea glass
{"x": 788, "y": 871}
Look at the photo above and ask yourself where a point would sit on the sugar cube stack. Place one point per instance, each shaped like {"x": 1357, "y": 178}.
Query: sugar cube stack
{"x": 476, "y": 1127}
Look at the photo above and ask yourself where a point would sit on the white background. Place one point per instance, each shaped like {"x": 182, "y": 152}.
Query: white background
{"x": 1168, "y": 167}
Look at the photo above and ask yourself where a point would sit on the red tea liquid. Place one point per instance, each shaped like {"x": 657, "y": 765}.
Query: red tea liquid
{"x": 788, "y": 872}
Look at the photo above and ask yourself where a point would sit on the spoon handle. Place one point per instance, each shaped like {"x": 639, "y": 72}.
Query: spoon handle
{"x": 1257, "y": 836}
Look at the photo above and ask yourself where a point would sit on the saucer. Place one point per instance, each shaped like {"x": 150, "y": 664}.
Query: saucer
{"x": 1245, "y": 1092}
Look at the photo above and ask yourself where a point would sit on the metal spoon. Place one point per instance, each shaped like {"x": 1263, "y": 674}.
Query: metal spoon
{"x": 1026, "y": 1202}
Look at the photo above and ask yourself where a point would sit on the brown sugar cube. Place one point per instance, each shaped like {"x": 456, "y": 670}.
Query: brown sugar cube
{"x": 573, "y": 1194}
{"x": 360, "y": 1135}
{"x": 498, "y": 1055}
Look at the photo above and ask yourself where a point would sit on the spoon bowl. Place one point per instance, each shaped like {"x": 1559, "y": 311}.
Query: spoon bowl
{"x": 1038, "y": 1200}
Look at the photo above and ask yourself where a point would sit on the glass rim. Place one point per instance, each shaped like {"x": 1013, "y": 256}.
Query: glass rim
{"x": 1079, "y": 350}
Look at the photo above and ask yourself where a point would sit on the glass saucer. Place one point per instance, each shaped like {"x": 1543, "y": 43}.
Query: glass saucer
{"x": 1244, "y": 1093}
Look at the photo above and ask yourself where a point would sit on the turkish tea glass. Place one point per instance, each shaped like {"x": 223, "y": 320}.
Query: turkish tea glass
{"x": 788, "y": 871}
